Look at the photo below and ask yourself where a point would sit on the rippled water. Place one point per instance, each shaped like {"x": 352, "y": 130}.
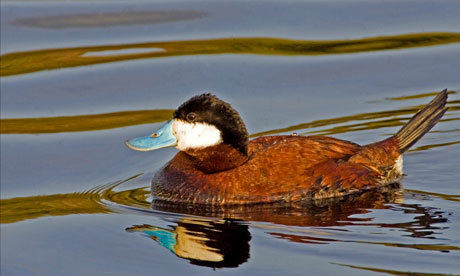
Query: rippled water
{"x": 79, "y": 78}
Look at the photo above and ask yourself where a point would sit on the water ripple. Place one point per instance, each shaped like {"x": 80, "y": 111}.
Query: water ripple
{"x": 331, "y": 126}
{"x": 201, "y": 234}
{"x": 49, "y": 59}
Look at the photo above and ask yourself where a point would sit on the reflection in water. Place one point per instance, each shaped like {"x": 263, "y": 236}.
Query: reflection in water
{"x": 372, "y": 120}
{"x": 214, "y": 243}
{"x": 417, "y": 96}
{"x": 218, "y": 236}
{"x": 328, "y": 212}
{"x": 32, "y": 207}
{"x": 83, "y": 122}
{"x": 38, "y": 60}
{"x": 225, "y": 242}
{"x": 448, "y": 197}
{"x": 89, "y": 202}
{"x": 91, "y": 20}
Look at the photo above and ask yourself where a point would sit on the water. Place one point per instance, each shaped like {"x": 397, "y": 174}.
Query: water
{"x": 79, "y": 78}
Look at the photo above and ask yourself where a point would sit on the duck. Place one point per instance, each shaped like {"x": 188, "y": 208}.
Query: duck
{"x": 217, "y": 164}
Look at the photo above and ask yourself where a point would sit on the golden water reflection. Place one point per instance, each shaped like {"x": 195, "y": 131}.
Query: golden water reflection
{"x": 371, "y": 120}
{"x": 355, "y": 122}
{"x": 83, "y": 122}
{"x": 48, "y": 59}
{"x": 89, "y": 202}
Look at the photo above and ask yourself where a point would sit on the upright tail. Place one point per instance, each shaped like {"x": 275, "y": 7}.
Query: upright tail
{"x": 422, "y": 122}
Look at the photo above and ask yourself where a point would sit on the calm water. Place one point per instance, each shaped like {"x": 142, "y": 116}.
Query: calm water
{"x": 79, "y": 78}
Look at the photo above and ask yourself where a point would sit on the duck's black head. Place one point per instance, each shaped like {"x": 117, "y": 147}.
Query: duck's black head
{"x": 200, "y": 123}
{"x": 206, "y": 120}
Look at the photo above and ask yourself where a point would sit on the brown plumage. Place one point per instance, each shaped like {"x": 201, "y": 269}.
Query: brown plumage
{"x": 290, "y": 168}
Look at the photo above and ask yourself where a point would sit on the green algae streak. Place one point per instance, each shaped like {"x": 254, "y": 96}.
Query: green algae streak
{"x": 49, "y": 59}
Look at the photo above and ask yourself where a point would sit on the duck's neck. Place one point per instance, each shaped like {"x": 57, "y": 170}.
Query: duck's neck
{"x": 216, "y": 158}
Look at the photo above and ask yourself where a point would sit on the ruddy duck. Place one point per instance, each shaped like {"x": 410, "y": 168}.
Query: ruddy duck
{"x": 217, "y": 164}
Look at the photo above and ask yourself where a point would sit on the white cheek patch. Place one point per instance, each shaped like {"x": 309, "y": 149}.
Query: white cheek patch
{"x": 195, "y": 135}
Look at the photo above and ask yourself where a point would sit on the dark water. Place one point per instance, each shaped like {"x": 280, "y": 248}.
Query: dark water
{"x": 79, "y": 78}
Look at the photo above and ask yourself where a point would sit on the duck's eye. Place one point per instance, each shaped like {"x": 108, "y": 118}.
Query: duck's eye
{"x": 191, "y": 117}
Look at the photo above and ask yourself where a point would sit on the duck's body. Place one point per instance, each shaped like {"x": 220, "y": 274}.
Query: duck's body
{"x": 226, "y": 169}
{"x": 280, "y": 168}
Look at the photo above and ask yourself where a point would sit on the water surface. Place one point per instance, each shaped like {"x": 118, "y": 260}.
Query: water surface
{"x": 79, "y": 78}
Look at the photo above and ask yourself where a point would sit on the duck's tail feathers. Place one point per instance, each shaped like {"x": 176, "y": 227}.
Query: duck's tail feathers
{"x": 422, "y": 122}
